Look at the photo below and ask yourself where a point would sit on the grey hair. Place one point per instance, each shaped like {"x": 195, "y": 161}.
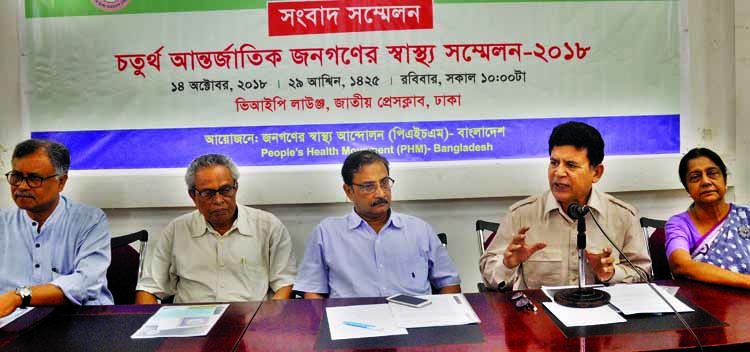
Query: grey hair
{"x": 209, "y": 160}
{"x": 58, "y": 154}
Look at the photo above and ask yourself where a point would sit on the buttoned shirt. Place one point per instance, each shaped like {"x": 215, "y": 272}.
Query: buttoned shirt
{"x": 194, "y": 263}
{"x": 345, "y": 257}
{"x": 557, "y": 264}
{"x": 72, "y": 252}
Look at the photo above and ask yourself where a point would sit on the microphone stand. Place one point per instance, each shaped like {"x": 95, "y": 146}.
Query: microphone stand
{"x": 581, "y": 297}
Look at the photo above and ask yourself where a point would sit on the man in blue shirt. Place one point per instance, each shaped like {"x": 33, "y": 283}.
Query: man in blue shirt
{"x": 53, "y": 251}
{"x": 373, "y": 251}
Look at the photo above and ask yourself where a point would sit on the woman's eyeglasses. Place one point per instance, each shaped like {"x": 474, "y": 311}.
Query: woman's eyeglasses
{"x": 522, "y": 302}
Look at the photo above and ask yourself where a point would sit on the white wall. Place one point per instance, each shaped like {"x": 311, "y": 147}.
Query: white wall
{"x": 742, "y": 97}
{"x": 10, "y": 90}
{"x": 708, "y": 75}
{"x": 712, "y": 103}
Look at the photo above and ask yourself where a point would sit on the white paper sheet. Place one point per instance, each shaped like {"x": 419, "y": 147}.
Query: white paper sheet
{"x": 444, "y": 310}
{"x": 181, "y": 321}
{"x": 13, "y": 316}
{"x": 377, "y": 316}
{"x": 671, "y": 290}
{"x": 584, "y": 316}
{"x": 639, "y": 298}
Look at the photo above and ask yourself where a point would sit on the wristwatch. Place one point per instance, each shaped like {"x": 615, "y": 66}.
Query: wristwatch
{"x": 25, "y": 294}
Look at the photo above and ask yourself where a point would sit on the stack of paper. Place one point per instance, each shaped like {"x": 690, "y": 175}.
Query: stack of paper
{"x": 444, "y": 310}
{"x": 627, "y": 298}
{"x": 639, "y": 298}
{"x": 392, "y": 319}
{"x": 584, "y": 316}
{"x": 370, "y": 320}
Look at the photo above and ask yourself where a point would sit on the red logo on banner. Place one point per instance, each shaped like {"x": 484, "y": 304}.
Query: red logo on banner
{"x": 340, "y": 16}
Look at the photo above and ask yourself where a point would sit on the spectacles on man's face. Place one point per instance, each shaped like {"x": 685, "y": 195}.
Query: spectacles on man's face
{"x": 370, "y": 187}
{"x": 225, "y": 191}
{"x": 33, "y": 180}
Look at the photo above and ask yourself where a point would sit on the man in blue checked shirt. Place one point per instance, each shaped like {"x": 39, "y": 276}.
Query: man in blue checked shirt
{"x": 53, "y": 251}
{"x": 373, "y": 251}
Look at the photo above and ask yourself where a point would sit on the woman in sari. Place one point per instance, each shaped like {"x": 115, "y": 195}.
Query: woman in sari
{"x": 709, "y": 242}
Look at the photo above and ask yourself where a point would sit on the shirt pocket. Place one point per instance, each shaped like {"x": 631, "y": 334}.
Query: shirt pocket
{"x": 246, "y": 263}
{"x": 58, "y": 269}
{"x": 413, "y": 274}
{"x": 544, "y": 268}
{"x": 245, "y": 254}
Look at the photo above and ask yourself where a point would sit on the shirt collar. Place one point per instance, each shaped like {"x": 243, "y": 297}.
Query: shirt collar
{"x": 550, "y": 203}
{"x": 353, "y": 220}
{"x": 62, "y": 204}
{"x": 202, "y": 227}
{"x": 595, "y": 203}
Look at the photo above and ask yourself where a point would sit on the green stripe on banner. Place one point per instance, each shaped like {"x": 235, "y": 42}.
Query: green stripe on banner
{"x": 67, "y": 8}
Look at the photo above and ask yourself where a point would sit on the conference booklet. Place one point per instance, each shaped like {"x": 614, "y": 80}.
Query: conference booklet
{"x": 181, "y": 321}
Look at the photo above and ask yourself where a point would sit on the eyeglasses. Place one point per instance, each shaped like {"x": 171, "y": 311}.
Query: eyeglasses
{"x": 522, "y": 302}
{"x": 34, "y": 181}
{"x": 386, "y": 184}
{"x": 226, "y": 191}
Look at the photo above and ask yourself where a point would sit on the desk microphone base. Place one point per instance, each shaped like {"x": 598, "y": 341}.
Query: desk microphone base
{"x": 582, "y": 297}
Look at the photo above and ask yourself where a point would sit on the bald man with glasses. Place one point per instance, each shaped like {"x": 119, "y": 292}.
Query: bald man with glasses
{"x": 53, "y": 250}
{"x": 221, "y": 252}
{"x": 373, "y": 251}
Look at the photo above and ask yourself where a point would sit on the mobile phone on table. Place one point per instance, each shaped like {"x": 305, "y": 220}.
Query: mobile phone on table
{"x": 407, "y": 300}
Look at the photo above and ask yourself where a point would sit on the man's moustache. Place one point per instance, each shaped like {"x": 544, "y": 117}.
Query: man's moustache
{"x": 23, "y": 195}
{"x": 380, "y": 201}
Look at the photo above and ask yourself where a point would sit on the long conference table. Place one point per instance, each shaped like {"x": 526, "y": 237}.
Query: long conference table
{"x": 294, "y": 325}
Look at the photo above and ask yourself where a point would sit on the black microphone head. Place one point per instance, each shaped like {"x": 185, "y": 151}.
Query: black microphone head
{"x": 577, "y": 211}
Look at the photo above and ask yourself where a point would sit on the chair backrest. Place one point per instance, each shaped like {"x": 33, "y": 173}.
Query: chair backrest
{"x": 656, "y": 248}
{"x": 443, "y": 239}
{"x": 486, "y": 231}
{"x": 126, "y": 266}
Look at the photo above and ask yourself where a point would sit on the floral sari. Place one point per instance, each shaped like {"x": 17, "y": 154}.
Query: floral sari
{"x": 727, "y": 245}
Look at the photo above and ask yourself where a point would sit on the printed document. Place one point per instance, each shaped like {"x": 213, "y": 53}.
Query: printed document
{"x": 13, "y": 316}
{"x": 368, "y": 320}
{"x": 639, "y": 298}
{"x": 584, "y": 316}
{"x": 444, "y": 310}
{"x": 181, "y": 321}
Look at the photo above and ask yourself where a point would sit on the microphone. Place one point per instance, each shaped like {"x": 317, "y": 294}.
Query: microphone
{"x": 581, "y": 297}
{"x": 577, "y": 211}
